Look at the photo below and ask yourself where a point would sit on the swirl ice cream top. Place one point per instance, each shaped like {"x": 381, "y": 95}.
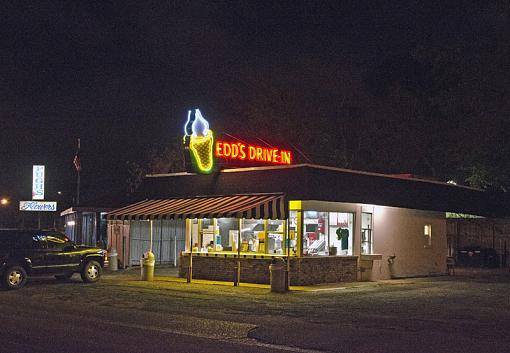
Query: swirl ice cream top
{"x": 200, "y": 126}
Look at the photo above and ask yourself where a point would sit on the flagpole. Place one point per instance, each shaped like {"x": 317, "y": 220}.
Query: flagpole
{"x": 78, "y": 179}
{"x": 78, "y": 189}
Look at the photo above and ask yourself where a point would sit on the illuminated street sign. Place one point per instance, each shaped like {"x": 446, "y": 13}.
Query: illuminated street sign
{"x": 45, "y": 206}
{"x": 38, "y": 182}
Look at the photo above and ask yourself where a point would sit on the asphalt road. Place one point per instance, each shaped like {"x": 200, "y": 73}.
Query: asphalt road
{"x": 469, "y": 313}
{"x": 31, "y": 326}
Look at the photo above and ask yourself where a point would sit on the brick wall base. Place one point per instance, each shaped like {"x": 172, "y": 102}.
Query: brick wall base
{"x": 303, "y": 271}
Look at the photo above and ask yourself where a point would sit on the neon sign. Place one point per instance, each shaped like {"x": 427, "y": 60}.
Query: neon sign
{"x": 199, "y": 139}
{"x": 38, "y": 182}
{"x": 241, "y": 151}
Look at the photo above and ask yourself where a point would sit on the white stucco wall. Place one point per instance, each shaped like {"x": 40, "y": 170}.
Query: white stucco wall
{"x": 400, "y": 232}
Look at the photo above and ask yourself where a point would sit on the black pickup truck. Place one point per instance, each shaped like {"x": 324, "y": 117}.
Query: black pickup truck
{"x": 26, "y": 253}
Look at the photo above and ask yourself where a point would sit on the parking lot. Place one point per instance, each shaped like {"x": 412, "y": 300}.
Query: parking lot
{"x": 469, "y": 312}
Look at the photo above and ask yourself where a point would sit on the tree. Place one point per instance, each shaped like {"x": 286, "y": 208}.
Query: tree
{"x": 167, "y": 159}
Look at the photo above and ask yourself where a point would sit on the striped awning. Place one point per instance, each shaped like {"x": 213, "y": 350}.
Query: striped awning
{"x": 266, "y": 206}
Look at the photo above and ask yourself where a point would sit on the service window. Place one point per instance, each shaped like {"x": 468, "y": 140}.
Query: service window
{"x": 253, "y": 235}
{"x": 227, "y": 230}
{"x": 275, "y": 236}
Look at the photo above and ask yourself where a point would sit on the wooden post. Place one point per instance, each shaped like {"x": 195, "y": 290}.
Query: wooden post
{"x": 287, "y": 246}
{"x": 190, "y": 264}
{"x": 150, "y": 223}
{"x": 238, "y": 277}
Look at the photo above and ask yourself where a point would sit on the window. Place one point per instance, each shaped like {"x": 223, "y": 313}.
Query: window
{"x": 207, "y": 233}
{"x": 315, "y": 240}
{"x": 293, "y": 232}
{"x": 327, "y": 233}
{"x": 340, "y": 233}
{"x": 258, "y": 236}
{"x": 427, "y": 236}
{"x": 202, "y": 234}
{"x": 253, "y": 235}
{"x": 366, "y": 233}
{"x": 227, "y": 230}
{"x": 194, "y": 235}
{"x": 275, "y": 237}
{"x": 57, "y": 241}
{"x": 39, "y": 241}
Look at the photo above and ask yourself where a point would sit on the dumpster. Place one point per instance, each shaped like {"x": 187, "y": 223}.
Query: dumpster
{"x": 147, "y": 266}
{"x": 278, "y": 277}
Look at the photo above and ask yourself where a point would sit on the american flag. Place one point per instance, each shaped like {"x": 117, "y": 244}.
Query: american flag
{"x": 76, "y": 160}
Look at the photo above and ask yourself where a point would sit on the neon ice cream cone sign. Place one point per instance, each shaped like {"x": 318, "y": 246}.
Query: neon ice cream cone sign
{"x": 199, "y": 138}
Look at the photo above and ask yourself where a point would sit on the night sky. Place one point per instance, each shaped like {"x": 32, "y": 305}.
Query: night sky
{"x": 121, "y": 76}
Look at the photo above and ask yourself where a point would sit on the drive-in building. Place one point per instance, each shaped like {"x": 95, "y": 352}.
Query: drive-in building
{"x": 333, "y": 224}
{"x": 327, "y": 224}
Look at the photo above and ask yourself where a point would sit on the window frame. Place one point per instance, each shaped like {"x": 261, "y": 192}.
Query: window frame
{"x": 370, "y": 231}
{"x": 427, "y": 236}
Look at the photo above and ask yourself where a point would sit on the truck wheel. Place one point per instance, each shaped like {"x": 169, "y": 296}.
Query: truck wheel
{"x": 15, "y": 277}
{"x": 91, "y": 272}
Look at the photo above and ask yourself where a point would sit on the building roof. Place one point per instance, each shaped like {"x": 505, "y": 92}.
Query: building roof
{"x": 75, "y": 209}
{"x": 314, "y": 182}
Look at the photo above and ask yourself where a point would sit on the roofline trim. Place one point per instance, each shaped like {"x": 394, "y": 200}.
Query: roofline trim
{"x": 317, "y": 166}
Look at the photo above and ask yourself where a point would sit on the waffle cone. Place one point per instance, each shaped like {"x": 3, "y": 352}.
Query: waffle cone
{"x": 202, "y": 148}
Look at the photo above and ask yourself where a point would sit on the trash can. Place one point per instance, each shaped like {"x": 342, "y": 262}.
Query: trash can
{"x": 112, "y": 260}
{"x": 147, "y": 266}
{"x": 278, "y": 277}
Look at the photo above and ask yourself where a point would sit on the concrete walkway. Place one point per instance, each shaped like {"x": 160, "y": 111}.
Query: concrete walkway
{"x": 171, "y": 274}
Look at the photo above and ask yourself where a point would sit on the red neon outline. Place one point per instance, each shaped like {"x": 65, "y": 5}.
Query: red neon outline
{"x": 242, "y": 152}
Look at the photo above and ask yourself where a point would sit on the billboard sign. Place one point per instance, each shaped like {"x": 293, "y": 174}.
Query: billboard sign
{"x": 45, "y": 206}
{"x": 38, "y": 182}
